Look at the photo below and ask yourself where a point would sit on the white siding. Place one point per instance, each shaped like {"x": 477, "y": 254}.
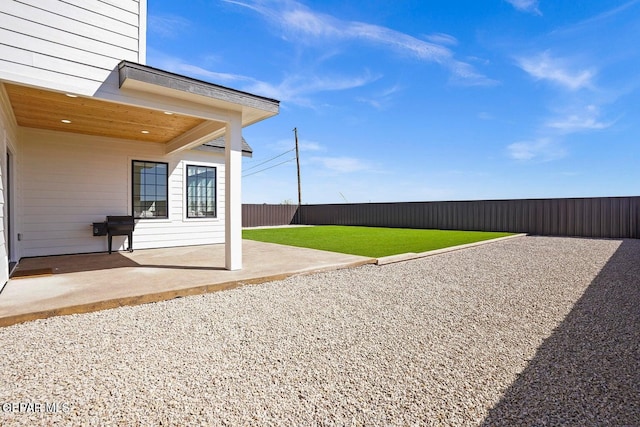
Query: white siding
{"x": 4, "y": 259}
{"x": 69, "y": 45}
{"x": 69, "y": 181}
{"x": 7, "y": 140}
{"x": 4, "y": 256}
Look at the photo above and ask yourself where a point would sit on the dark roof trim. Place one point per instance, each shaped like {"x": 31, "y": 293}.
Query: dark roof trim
{"x": 146, "y": 74}
{"x": 217, "y": 145}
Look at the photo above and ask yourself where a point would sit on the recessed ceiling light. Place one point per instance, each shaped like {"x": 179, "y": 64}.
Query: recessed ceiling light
{"x": 70, "y": 95}
{"x": 65, "y": 121}
{"x": 144, "y": 131}
{"x": 168, "y": 113}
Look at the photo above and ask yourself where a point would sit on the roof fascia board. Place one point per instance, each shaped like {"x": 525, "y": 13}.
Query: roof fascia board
{"x": 139, "y": 96}
{"x": 142, "y": 73}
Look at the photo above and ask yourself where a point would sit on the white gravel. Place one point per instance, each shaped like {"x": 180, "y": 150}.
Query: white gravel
{"x": 528, "y": 331}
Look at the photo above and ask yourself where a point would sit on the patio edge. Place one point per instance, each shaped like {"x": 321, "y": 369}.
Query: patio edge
{"x": 167, "y": 295}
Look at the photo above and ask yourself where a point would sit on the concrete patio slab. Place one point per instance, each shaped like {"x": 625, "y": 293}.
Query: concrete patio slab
{"x": 90, "y": 282}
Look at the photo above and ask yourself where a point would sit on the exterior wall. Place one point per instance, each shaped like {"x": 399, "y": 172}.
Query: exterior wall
{"x": 8, "y": 140}
{"x": 69, "y": 45}
{"x": 69, "y": 181}
{"x": 7, "y": 132}
{"x": 4, "y": 256}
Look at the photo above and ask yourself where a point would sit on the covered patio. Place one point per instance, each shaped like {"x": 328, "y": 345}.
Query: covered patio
{"x": 43, "y": 287}
{"x": 68, "y": 159}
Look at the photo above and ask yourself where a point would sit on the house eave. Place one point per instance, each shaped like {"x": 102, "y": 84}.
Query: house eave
{"x": 140, "y": 77}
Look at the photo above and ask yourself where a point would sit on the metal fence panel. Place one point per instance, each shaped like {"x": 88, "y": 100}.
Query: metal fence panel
{"x": 609, "y": 217}
{"x": 264, "y": 215}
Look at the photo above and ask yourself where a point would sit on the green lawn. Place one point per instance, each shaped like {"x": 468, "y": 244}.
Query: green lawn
{"x": 373, "y": 242}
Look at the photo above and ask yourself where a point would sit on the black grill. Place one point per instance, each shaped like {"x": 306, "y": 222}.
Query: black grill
{"x": 120, "y": 226}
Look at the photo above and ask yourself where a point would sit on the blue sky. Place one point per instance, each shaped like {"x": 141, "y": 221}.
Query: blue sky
{"x": 418, "y": 100}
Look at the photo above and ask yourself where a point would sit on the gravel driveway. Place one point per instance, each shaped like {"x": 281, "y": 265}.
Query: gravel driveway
{"x": 527, "y": 331}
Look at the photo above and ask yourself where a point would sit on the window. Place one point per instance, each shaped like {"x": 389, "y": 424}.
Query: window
{"x": 150, "y": 189}
{"x": 201, "y": 192}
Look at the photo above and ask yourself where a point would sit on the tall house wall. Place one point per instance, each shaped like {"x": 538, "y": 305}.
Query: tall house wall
{"x": 69, "y": 45}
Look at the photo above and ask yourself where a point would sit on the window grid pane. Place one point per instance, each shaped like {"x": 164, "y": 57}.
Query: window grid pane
{"x": 201, "y": 192}
{"x": 150, "y": 183}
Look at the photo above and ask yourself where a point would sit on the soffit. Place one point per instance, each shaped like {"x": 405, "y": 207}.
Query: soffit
{"x": 43, "y": 109}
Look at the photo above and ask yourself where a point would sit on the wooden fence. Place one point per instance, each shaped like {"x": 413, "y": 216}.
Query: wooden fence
{"x": 609, "y": 217}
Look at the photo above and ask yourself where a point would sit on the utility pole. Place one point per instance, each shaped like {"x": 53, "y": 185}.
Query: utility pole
{"x": 295, "y": 131}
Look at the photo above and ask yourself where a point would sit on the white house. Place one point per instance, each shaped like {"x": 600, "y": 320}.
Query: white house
{"x": 87, "y": 130}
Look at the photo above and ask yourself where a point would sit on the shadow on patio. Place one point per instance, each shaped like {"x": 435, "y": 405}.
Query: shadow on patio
{"x": 64, "y": 264}
{"x": 588, "y": 371}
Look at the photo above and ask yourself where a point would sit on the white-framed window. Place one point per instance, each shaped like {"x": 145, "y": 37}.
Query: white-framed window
{"x": 201, "y": 191}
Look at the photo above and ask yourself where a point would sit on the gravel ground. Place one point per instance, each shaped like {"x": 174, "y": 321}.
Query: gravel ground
{"x": 527, "y": 331}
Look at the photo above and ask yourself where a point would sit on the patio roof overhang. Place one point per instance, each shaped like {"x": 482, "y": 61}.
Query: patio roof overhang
{"x": 145, "y": 104}
{"x": 141, "y": 103}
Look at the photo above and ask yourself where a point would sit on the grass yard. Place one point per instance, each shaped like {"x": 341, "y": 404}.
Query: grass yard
{"x": 372, "y": 242}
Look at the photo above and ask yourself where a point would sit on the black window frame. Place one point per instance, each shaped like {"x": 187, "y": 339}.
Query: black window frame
{"x": 188, "y": 195}
{"x": 155, "y": 184}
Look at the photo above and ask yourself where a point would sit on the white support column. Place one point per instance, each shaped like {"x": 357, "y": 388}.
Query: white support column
{"x": 233, "y": 193}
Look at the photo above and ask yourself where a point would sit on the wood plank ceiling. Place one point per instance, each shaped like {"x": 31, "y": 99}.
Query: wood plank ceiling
{"x": 42, "y": 109}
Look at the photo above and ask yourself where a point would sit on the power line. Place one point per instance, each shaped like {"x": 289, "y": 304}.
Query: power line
{"x": 270, "y": 167}
{"x": 267, "y": 161}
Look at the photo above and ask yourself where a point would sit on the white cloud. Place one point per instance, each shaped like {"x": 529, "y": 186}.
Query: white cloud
{"x": 197, "y": 71}
{"x": 597, "y": 20}
{"x": 529, "y": 6}
{"x": 442, "y": 38}
{"x": 303, "y": 25}
{"x": 400, "y": 41}
{"x": 556, "y": 70}
{"x": 310, "y": 146}
{"x": 543, "y": 149}
{"x": 585, "y": 120}
{"x": 574, "y": 117}
{"x": 179, "y": 66}
{"x": 521, "y": 150}
{"x": 465, "y": 74}
{"x": 296, "y": 88}
{"x": 304, "y": 144}
{"x": 342, "y": 164}
{"x": 382, "y": 99}
{"x": 167, "y": 26}
{"x": 303, "y": 20}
